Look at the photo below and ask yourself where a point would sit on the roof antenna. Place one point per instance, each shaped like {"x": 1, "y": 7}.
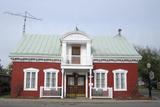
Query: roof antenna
{"x": 25, "y": 16}
{"x": 77, "y": 28}
{"x": 119, "y": 32}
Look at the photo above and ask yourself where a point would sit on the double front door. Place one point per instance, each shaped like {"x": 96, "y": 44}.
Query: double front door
{"x": 75, "y": 85}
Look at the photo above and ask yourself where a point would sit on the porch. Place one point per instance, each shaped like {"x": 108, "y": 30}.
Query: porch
{"x": 76, "y": 83}
{"x": 57, "y": 93}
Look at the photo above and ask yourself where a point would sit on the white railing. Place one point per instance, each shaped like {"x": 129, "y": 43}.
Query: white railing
{"x": 50, "y": 92}
{"x": 102, "y": 93}
{"x": 77, "y": 59}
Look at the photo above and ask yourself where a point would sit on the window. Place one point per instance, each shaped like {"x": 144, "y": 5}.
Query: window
{"x": 30, "y": 79}
{"x": 51, "y": 76}
{"x": 100, "y": 78}
{"x": 120, "y": 80}
{"x": 71, "y": 81}
{"x": 76, "y": 50}
{"x": 76, "y": 54}
{"x": 80, "y": 81}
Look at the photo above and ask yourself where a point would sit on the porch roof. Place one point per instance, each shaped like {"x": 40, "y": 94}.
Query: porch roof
{"x": 50, "y": 46}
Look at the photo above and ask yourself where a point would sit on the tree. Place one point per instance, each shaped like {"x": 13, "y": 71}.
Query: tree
{"x": 1, "y": 67}
{"x": 152, "y": 56}
{"x": 6, "y": 70}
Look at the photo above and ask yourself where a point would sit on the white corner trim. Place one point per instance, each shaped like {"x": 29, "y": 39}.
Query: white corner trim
{"x": 36, "y": 79}
{"x": 125, "y": 79}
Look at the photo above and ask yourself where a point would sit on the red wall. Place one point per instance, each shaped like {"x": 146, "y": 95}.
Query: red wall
{"x": 132, "y": 77}
{"x": 18, "y": 75}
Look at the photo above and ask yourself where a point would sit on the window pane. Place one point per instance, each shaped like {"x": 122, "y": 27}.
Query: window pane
{"x": 122, "y": 81}
{"x": 28, "y": 80}
{"x": 70, "y": 80}
{"x": 97, "y": 80}
{"x": 53, "y": 79}
{"x": 33, "y": 80}
{"x": 102, "y": 80}
{"x": 117, "y": 81}
{"x": 80, "y": 81}
{"x": 47, "y": 79}
{"x": 76, "y": 50}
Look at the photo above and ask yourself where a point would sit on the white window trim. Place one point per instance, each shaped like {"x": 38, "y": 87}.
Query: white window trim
{"x": 101, "y": 71}
{"x": 125, "y": 77}
{"x": 36, "y": 79}
{"x": 51, "y": 70}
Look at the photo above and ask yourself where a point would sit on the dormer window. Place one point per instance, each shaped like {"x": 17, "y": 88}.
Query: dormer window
{"x": 76, "y": 54}
{"x": 76, "y": 48}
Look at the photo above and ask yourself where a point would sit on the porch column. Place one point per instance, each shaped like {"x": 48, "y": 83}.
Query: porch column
{"x": 64, "y": 56}
{"x": 90, "y": 83}
{"x": 88, "y": 57}
{"x": 86, "y": 84}
{"x": 62, "y": 83}
{"x": 64, "y": 88}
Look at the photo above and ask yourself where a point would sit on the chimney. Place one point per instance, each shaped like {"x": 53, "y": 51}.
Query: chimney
{"x": 119, "y": 32}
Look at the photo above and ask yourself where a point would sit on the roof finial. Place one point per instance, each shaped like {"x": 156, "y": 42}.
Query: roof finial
{"x": 119, "y": 31}
{"x": 77, "y": 28}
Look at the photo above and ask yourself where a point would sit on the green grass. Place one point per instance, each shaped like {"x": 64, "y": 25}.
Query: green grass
{"x": 5, "y": 95}
{"x": 141, "y": 87}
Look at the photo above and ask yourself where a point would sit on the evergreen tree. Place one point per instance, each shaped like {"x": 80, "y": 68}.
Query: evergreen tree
{"x": 151, "y": 56}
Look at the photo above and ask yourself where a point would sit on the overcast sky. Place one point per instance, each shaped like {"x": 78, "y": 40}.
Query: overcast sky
{"x": 139, "y": 20}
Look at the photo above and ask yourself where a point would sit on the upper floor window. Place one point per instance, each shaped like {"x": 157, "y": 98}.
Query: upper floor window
{"x": 120, "y": 80}
{"x": 30, "y": 79}
{"x": 51, "y": 77}
{"x": 100, "y": 78}
{"x": 76, "y": 51}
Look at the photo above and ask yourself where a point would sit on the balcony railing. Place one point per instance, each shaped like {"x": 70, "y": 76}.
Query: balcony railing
{"x": 76, "y": 59}
{"x": 102, "y": 93}
{"x": 50, "y": 92}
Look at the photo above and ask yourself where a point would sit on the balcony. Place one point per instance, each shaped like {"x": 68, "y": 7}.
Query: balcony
{"x": 102, "y": 93}
{"x": 50, "y": 92}
{"x": 76, "y": 60}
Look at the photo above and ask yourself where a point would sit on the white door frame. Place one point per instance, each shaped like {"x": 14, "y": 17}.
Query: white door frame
{"x": 86, "y": 82}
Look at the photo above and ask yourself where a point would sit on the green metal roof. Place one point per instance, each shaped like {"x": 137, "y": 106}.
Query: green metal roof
{"x": 112, "y": 46}
{"x": 38, "y": 45}
{"x": 49, "y": 46}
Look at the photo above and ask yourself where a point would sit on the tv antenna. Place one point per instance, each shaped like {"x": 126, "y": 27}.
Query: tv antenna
{"x": 25, "y": 16}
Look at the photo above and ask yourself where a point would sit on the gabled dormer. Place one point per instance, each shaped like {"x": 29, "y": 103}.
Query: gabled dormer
{"x": 76, "y": 48}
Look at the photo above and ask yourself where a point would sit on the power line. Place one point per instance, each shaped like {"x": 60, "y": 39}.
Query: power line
{"x": 25, "y": 16}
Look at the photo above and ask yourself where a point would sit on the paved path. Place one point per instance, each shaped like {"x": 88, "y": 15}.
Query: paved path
{"x": 72, "y": 100}
{"x": 9, "y": 102}
{"x": 77, "y": 103}
{"x": 155, "y": 93}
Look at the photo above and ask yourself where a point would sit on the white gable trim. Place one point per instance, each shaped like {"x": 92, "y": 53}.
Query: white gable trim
{"x": 51, "y": 70}
{"x": 100, "y": 70}
{"x": 75, "y": 36}
{"x": 75, "y": 32}
{"x": 35, "y": 59}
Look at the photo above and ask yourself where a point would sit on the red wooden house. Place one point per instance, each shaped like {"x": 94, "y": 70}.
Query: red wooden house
{"x": 74, "y": 65}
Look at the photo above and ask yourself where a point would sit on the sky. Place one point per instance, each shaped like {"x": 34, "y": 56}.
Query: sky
{"x": 138, "y": 19}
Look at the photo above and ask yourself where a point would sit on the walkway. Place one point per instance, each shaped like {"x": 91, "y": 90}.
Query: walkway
{"x": 155, "y": 93}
